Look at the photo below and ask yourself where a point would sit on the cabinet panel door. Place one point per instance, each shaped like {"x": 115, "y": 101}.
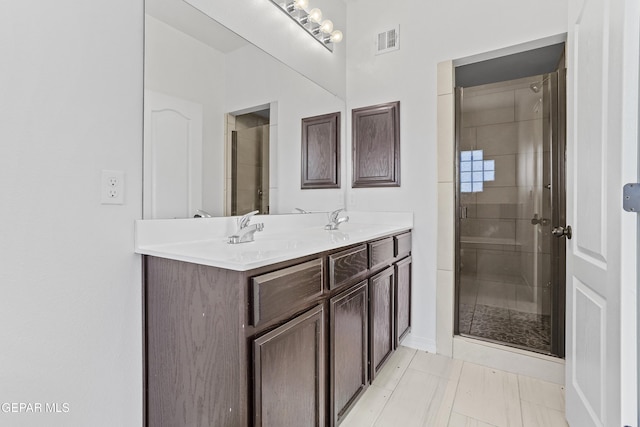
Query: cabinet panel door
{"x": 376, "y": 145}
{"x": 321, "y": 151}
{"x": 403, "y": 298}
{"x": 382, "y": 340}
{"x": 289, "y": 373}
{"x": 349, "y": 347}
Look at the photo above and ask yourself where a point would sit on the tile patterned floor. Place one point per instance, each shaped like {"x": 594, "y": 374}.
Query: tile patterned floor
{"x": 502, "y": 309}
{"x": 421, "y": 389}
{"x": 506, "y": 325}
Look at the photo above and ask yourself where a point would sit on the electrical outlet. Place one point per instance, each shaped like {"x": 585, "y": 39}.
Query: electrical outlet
{"x": 112, "y": 188}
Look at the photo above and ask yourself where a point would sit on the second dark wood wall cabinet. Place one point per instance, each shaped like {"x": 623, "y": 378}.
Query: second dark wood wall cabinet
{"x": 376, "y": 145}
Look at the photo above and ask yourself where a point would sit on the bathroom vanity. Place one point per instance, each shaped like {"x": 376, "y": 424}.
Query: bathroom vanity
{"x": 287, "y": 330}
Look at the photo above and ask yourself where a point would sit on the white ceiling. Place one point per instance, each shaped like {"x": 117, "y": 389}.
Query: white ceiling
{"x": 186, "y": 18}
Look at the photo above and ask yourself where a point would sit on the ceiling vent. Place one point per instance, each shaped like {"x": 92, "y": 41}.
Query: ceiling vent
{"x": 388, "y": 41}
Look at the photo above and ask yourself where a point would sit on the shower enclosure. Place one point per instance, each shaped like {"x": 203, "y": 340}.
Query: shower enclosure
{"x": 510, "y": 196}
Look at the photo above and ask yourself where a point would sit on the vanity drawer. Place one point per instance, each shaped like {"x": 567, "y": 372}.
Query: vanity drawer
{"x": 347, "y": 266}
{"x": 277, "y": 292}
{"x": 380, "y": 252}
{"x": 402, "y": 244}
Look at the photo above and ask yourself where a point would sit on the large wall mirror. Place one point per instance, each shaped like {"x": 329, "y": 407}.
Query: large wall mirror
{"x": 222, "y": 121}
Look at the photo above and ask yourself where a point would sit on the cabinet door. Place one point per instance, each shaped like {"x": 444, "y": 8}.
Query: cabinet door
{"x": 289, "y": 373}
{"x": 348, "y": 342}
{"x": 403, "y": 298}
{"x": 381, "y": 316}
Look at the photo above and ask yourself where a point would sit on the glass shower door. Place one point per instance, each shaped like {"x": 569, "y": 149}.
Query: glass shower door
{"x": 505, "y": 250}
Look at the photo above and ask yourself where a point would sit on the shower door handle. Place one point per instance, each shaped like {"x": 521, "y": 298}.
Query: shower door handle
{"x": 562, "y": 231}
{"x": 463, "y": 212}
{"x": 539, "y": 221}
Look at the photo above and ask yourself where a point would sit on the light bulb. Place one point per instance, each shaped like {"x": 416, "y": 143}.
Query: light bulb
{"x": 315, "y": 15}
{"x": 336, "y": 36}
{"x": 326, "y": 26}
{"x": 300, "y": 4}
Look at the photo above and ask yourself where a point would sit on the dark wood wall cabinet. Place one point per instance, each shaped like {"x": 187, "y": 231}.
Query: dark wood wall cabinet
{"x": 376, "y": 145}
{"x": 291, "y": 344}
{"x": 321, "y": 151}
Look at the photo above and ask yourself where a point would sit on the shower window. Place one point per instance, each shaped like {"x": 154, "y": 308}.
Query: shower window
{"x": 474, "y": 171}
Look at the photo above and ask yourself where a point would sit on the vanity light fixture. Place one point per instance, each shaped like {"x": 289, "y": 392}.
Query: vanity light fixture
{"x": 315, "y": 15}
{"x": 297, "y": 5}
{"x": 326, "y": 26}
{"x": 311, "y": 21}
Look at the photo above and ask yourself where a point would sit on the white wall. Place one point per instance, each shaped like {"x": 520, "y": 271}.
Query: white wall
{"x": 70, "y": 288}
{"x": 179, "y": 65}
{"x": 430, "y": 32}
{"x": 255, "y": 78}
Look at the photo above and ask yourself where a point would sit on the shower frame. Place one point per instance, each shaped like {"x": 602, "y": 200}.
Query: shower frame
{"x": 557, "y": 132}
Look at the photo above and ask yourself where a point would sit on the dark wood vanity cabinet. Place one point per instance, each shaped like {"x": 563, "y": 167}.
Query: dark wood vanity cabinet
{"x": 402, "y": 299}
{"x": 348, "y": 342}
{"x": 193, "y": 330}
{"x": 291, "y": 344}
{"x": 289, "y": 375}
{"x": 381, "y": 315}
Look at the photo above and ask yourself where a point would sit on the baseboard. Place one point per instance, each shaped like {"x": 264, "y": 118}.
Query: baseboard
{"x": 419, "y": 343}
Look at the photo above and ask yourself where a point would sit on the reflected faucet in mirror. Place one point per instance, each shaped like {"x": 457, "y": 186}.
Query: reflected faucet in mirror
{"x": 335, "y": 220}
{"x": 202, "y": 214}
{"x": 245, "y": 232}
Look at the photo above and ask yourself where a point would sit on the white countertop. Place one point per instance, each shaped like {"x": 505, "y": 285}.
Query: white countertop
{"x": 204, "y": 240}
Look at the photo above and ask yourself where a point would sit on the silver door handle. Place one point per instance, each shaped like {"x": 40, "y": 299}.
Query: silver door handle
{"x": 562, "y": 231}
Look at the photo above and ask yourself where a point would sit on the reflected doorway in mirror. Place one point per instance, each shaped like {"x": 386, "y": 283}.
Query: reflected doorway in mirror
{"x": 247, "y": 171}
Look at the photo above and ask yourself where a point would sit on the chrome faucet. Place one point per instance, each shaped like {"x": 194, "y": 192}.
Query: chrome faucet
{"x": 245, "y": 232}
{"x": 335, "y": 221}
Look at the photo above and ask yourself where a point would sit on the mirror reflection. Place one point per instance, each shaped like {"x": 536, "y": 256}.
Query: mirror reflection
{"x": 222, "y": 120}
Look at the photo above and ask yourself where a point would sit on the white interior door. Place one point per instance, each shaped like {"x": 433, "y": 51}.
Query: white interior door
{"x": 602, "y": 156}
{"x": 172, "y": 157}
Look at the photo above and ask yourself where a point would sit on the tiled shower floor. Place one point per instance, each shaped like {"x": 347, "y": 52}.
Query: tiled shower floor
{"x": 502, "y": 309}
{"x": 506, "y": 325}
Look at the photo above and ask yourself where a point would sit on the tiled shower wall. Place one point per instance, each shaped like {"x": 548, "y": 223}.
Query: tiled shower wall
{"x": 498, "y": 240}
